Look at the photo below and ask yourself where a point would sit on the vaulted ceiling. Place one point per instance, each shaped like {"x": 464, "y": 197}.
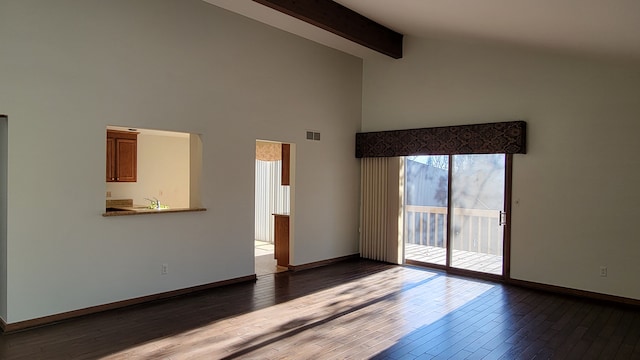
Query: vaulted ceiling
{"x": 599, "y": 26}
{"x": 605, "y": 27}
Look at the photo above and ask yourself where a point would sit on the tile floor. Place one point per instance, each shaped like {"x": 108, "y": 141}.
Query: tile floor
{"x": 265, "y": 262}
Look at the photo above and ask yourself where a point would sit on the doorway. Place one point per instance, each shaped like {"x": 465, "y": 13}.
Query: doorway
{"x": 272, "y": 197}
{"x": 454, "y": 214}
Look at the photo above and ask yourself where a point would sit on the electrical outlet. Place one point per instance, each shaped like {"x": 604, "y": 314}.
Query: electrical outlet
{"x": 165, "y": 269}
{"x": 603, "y": 271}
{"x": 108, "y": 193}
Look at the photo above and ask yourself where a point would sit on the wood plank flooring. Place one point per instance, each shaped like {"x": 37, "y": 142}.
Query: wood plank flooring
{"x": 356, "y": 309}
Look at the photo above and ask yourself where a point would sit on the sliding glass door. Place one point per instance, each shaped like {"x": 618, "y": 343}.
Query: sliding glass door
{"x": 454, "y": 211}
{"x": 477, "y": 212}
{"x": 426, "y": 208}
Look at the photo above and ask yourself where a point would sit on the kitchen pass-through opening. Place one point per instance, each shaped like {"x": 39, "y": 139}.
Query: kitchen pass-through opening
{"x": 151, "y": 166}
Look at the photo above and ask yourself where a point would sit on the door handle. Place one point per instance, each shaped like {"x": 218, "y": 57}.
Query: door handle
{"x": 502, "y": 218}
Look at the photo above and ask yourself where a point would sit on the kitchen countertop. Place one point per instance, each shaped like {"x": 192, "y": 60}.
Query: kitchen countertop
{"x": 137, "y": 210}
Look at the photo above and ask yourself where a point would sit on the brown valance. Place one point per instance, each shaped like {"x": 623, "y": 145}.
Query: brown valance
{"x": 494, "y": 138}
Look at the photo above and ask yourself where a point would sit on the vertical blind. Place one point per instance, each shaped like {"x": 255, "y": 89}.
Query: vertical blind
{"x": 271, "y": 197}
{"x": 373, "y": 213}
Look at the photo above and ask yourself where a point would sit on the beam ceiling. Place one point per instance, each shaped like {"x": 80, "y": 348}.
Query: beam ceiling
{"x": 335, "y": 18}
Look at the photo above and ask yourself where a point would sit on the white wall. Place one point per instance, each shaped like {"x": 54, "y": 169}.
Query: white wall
{"x": 163, "y": 172}
{"x": 71, "y": 68}
{"x": 576, "y": 191}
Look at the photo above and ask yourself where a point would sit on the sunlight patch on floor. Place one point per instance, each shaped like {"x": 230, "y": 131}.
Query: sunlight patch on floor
{"x": 326, "y": 323}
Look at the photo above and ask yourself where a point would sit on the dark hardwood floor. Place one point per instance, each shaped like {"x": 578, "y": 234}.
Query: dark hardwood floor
{"x": 351, "y": 310}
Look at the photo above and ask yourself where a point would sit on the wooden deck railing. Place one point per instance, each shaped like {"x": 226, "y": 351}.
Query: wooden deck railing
{"x": 474, "y": 230}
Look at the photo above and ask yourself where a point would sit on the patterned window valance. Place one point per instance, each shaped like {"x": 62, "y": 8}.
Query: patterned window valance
{"x": 493, "y": 138}
{"x": 268, "y": 151}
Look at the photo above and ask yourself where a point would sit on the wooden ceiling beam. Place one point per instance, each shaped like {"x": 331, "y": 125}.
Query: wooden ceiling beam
{"x": 342, "y": 21}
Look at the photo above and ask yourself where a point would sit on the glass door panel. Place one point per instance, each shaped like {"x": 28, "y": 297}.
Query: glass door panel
{"x": 477, "y": 196}
{"x": 425, "y": 210}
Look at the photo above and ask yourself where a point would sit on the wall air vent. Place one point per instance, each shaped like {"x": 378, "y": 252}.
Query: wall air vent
{"x": 312, "y": 135}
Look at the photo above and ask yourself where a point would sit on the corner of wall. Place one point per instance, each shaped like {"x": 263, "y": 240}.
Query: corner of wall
{"x": 4, "y": 147}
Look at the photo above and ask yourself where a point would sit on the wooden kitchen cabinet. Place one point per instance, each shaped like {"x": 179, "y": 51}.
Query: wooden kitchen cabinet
{"x": 286, "y": 164}
{"x": 281, "y": 241}
{"x": 122, "y": 156}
